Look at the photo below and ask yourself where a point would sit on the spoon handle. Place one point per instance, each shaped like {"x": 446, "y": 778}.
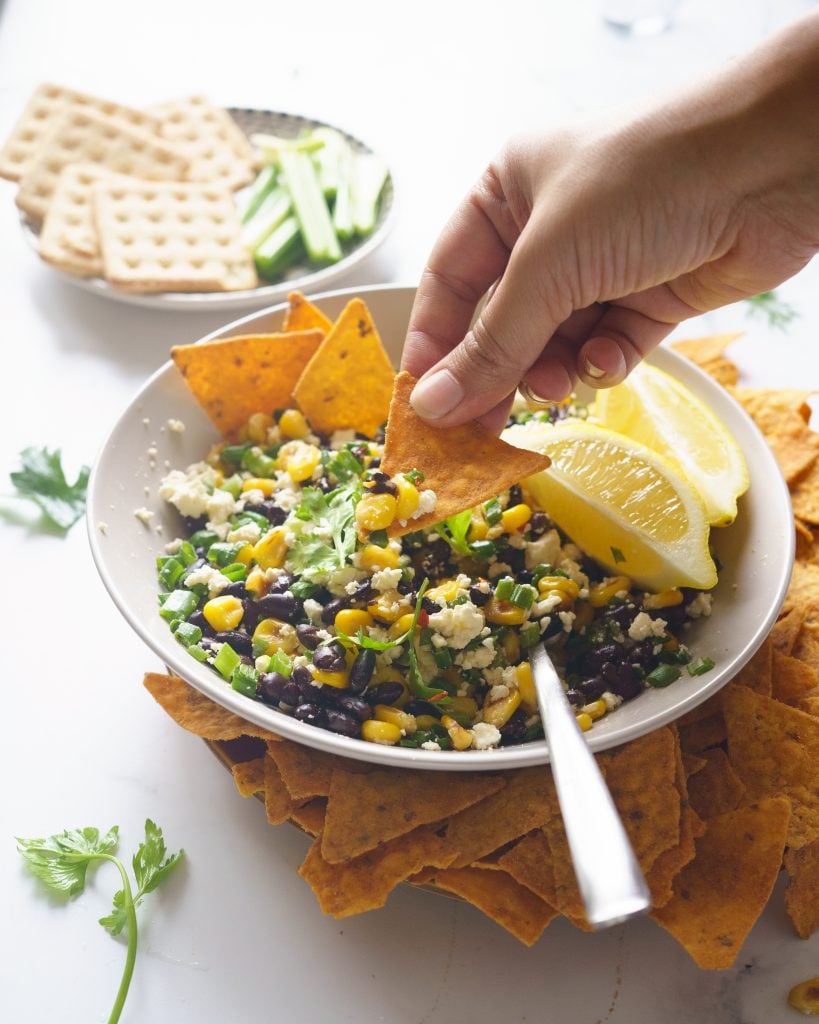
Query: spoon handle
{"x": 609, "y": 878}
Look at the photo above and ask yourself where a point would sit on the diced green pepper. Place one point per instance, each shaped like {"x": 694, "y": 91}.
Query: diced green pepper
{"x": 233, "y": 453}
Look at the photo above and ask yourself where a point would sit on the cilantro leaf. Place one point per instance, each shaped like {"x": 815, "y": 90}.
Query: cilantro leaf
{"x": 335, "y": 511}
{"x": 61, "y": 861}
{"x": 454, "y": 531}
{"x": 43, "y": 481}
{"x": 768, "y": 304}
{"x": 415, "y": 676}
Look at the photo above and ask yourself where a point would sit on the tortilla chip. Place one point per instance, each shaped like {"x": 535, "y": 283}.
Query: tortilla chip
{"x": 703, "y": 734}
{"x": 793, "y": 680}
{"x": 310, "y": 816}
{"x": 530, "y": 863}
{"x": 567, "y": 898}
{"x": 365, "y": 811}
{"x": 720, "y": 894}
{"x": 717, "y": 789}
{"x": 500, "y": 897}
{"x": 806, "y": 644}
{"x": 810, "y": 705}
{"x": 786, "y": 629}
{"x": 783, "y": 416}
{"x": 277, "y": 801}
{"x": 528, "y": 801}
{"x": 302, "y": 315}
{"x": 774, "y": 749}
{"x": 706, "y": 349}
{"x": 802, "y": 890}
{"x": 194, "y": 712}
{"x": 348, "y": 382}
{"x": 249, "y": 776}
{"x": 804, "y": 586}
{"x": 660, "y": 878}
{"x": 305, "y": 772}
{"x": 236, "y": 377}
{"x": 464, "y": 465}
{"x": 366, "y": 882}
{"x": 693, "y": 764}
{"x": 757, "y": 674}
{"x": 805, "y": 496}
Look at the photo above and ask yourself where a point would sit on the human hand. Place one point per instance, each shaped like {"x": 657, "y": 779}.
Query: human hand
{"x": 595, "y": 243}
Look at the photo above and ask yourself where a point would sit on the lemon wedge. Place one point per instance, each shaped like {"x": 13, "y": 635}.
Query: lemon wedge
{"x": 663, "y": 414}
{"x": 622, "y": 503}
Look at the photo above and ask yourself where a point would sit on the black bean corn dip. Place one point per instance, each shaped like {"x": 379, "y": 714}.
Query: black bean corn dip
{"x": 288, "y": 586}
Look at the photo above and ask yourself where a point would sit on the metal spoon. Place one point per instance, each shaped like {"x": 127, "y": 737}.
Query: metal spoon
{"x": 609, "y": 878}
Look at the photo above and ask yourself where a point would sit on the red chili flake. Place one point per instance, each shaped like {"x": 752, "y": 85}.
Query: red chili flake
{"x": 437, "y": 696}
{"x": 423, "y": 619}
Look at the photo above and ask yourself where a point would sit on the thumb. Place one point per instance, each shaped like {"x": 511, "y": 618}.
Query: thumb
{"x": 511, "y": 332}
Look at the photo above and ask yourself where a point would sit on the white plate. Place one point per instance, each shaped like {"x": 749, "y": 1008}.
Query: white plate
{"x": 756, "y": 552}
{"x": 301, "y": 276}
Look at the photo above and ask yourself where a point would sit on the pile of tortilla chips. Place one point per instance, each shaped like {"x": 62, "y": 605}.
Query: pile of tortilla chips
{"x": 714, "y": 805}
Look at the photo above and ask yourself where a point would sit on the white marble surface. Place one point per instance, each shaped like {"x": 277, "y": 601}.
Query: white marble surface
{"x": 236, "y": 936}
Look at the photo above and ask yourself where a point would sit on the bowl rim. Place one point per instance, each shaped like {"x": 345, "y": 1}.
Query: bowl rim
{"x": 507, "y": 758}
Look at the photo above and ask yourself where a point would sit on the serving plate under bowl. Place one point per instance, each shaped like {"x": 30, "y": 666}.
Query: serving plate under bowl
{"x": 756, "y": 552}
{"x": 300, "y": 277}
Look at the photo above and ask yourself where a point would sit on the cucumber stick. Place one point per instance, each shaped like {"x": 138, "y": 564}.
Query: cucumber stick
{"x": 271, "y": 212}
{"x": 251, "y": 198}
{"x": 310, "y": 207}
{"x": 368, "y": 177}
{"x": 282, "y": 247}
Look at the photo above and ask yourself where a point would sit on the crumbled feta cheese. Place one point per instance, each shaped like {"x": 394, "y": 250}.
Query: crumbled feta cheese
{"x": 458, "y": 625}
{"x": 210, "y": 577}
{"x": 340, "y": 438}
{"x": 644, "y": 626}
{"x": 611, "y": 700}
{"x": 176, "y": 426}
{"x": 545, "y": 622}
{"x": 188, "y": 490}
{"x": 220, "y": 506}
{"x": 481, "y": 657}
{"x": 700, "y": 606}
{"x": 386, "y": 579}
{"x": 153, "y": 452}
{"x": 146, "y": 422}
{"x": 544, "y": 550}
{"x": 249, "y": 532}
{"x": 497, "y": 693}
{"x": 144, "y": 515}
{"x": 338, "y": 579}
{"x": 482, "y": 586}
{"x": 102, "y": 527}
{"x": 427, "y": 500}
{"x": 547, "y": 605}
{"x": 158, "y": 528}
{"x": 173, "y": 546}
{"x": 484, "y": 736}
{"x": 253, "y": 497}
{"x": 498, "y": 569}
{"x": 313, "y": 610}
{"x": 431, "y": 745}
{"x": 567, "y": 618}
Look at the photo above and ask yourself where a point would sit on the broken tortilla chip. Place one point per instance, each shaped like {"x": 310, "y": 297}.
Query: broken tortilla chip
{"x": 706, "y": 349}
{"x": 196, "y": 713}
{"x": 348, "y": 382}
{"x": 306, "y": 773}
{"x": 463, "y": 465}
{"x": 277, "y": 801}
{"x": 366, "y": 882}
{"x": 249, "y": 776}
{"x": 501, "y": 898}
{"x": 530, "y": 863}
{"x": 802, "y": 890}
{"x": 303, "y": 315}
{"x": 716, "y": 789}
{"x": 793, "y": 680}
{"x": 363, "y": 812}
{"x": 719, "y": 895}
{"x": 233, "y": 378}
{"x": 310, "y": 816}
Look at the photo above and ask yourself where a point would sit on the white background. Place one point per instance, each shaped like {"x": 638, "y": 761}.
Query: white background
{"x": 236, "y": 935}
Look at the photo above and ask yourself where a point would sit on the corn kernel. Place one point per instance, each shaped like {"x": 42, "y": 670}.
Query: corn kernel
{"x": 259, "y": 483}
{"x": 293, "y": 424}
{"x": 278, "y": 636}
{"x": 426, "y": 721}
{"x": 461, "y": 738}
{"x": 257, "y": 582}
{"x": 478, "y": 528}
{"x": 596, "y": 709}
{"x": 388, "y": 607}
{"x": 665, "y": 599}
{"x": 339, "y": 680}
{"x": 466, "y": 706}
{"x": 380, "y": 732}
{"x": 805, "y": 997}
{"x": 407, "y": 497}
{"x": 350, "y": 620}
{"x": 504, "y": 613}
{"x": 510, "y": 645}
{"x": 526, "y": 687}
{"x": 584, "y": 721}
{"x": 224, "y": 612}
{"x": 375, "y": 512}
{"x": 301, "y": 464}
{"x": 257, "y": 427}
{"x": 386, "y": 713}
{"x": 567, "y": 588}
{"x": 513, "y": 518}
{"x": 270, "y": 551}
{"x": 500, "y": 711}
{"x": 401, "y": 625}
{"x": 445, "y": 591}
{"x": 373, "y": 557}
{"x": 244, "y": 554}
{"x": 601, "y": 593}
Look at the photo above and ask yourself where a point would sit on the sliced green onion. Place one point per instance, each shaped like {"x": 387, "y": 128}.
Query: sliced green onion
{"x": 529, "y": 635}
{"x": 198, "y": 652}
{"x": 281, "y": 663}
{"x": 226, "y": 661}
{"x": 700, "y": 667}
{"x": 235, "y": 571}
{"x": 234, "y": 453}
{"x": 244, "y": 679}
{"x": 186, "y": 633}
{"x": 523, "y": 595}
{"x": 258, "y": 463}
{"x": 443, "y": 657}
{"x": 203, "y": 539}
{"x": 379, "y": 538}
{"x": 504, "y": 588}
{"x": 493, "y": 511}
{"x": 663, "y": 675}
{"x": 179, "y": 604}
{"x": 483, "y": 549}
{"x": 224, "y": 553}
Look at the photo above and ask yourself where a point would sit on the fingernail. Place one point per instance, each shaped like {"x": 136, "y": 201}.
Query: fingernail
{"x": 436, "y": 395}
{"x": 593, "y": 371}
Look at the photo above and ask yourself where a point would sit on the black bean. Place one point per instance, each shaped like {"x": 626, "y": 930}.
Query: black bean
{"x": 592, "y": 688}
{"x": 430, "y": 606}
{"x": 575, "y": 697}
{"x": 328, "y": 615}
{"x": 271, "y": 511}
{"x": 385, "y": 693}
{"x": 514, "y": 730}
{"x": 311, "y": 714}
{"x": 329, "y": 658}
{"x": 479, "y": 597}
{"x": 236, "y": 589}
{"x": 405, "y": 586}
{"x": 338, "y": 721}
{"x": 538, "y": 524}
{"x": 555, "y": 628}
{"x": 325, "y": 485}
{"x": 350, "y": 704}
{"x": 622, "y": 680}
{"x": 240, "y": 642}
{"x": 375, "y": 463}
{"x": 283, "y": 607}
{"x": 197, "y": 618}
{"x": 281, "y": 583}
{"x": 270, "y": 687}
{"x": 621, "y": 614}
{"x": 291, "y": 693}
{"x": 193, "y": 567}
{"x": 308, "y": 636}
{"x": 382, "y": 484}
{"x": 421, "y": 707}
{"x": 250, "y": 616}
{"x": 302, "y": 676}
{"x": 515, "y": 495}
{"x": 362, "y": 670}
{"x": 596, "y": 658}
{"x": 643, "y": 654}
{"x": 364, "y": 592}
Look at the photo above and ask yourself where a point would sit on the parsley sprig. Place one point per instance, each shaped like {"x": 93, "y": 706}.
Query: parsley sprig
{"x": 61, "y": 862}
{"x": 42, "y": 480}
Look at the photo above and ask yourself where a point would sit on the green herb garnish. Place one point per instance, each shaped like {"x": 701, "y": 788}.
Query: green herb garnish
{"x": 43, "y": 481}
{"x": 768, "y": 304}
{"x": 454, "y": 531}
{"x": 61, "y": 862}
{"x": 335, "y": 511}
{"x": 617, "y": 554}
